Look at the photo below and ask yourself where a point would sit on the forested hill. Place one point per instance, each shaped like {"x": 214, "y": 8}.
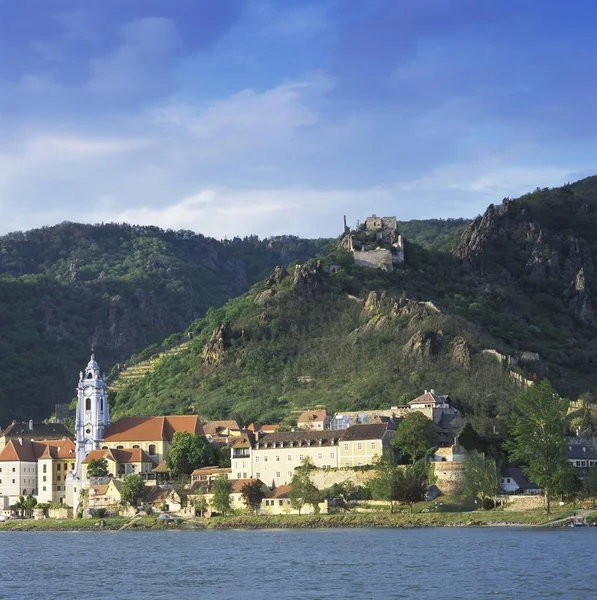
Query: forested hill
{"x": 513, "y": 303}
{"x": 116, "y": 287}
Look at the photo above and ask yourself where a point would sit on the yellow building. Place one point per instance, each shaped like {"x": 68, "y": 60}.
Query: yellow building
{"x": 104, "y": 495}
{"x": 364, "y": 444}
{"x": 121, "y": 462}
{"x": 153, "y": 435}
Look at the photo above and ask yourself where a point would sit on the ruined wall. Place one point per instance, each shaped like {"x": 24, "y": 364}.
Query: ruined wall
{"x": 374, "y": 259}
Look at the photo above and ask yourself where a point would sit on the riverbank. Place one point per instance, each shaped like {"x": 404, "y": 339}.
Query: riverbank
{"x": 345, "y": 520}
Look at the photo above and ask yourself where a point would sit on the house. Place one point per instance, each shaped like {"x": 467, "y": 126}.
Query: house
{"x": 104, "y": 495}
{"x": 514, "y": 481}
{"x": 221, "y": 430}
{"x": 35, "y": 467}
{"x": 164, "y": 498}
{"x": 364, "y": 444}
{"x": 122, "y": 462}
{"x": 274, "y": 456}
{"x": 581, "y": 456}
{"x": 278, "y": 503}
{"x": 236, "y": 497}
{"x": 151, "y": 434}
{"x": 314, "y": 419}
{"x": 207, "y": 474}
{"x": 34, "y": 431}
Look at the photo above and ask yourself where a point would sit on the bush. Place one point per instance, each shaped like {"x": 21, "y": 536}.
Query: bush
{"x": 101, "y": 513}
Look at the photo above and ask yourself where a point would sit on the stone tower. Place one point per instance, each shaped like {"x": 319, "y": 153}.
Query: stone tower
{"x": 92, "y": 411}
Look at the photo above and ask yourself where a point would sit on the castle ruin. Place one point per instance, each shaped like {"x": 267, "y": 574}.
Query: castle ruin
{"x": 383, "y": 232}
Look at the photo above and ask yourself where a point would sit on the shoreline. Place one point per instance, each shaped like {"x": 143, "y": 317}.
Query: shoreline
{"x": 335, "y": 521}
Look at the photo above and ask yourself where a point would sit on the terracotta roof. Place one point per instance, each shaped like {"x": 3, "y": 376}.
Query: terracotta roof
{"x": 282, "y": 491}
{"x": 269, "y": 428}
{"x": 430, "y": 398}
{"x": 101, "y": 489}
{"x": 239, "y": 484}
{"x": 141, "y": 429}
{"x": 310, "y": 416}
{"x": 162, "y": 468}
{"x": 40, "y": 431}
{"x": 215, "y": 470}
{"x": 214, "y": 427}
{"x": 31, "y": 451}
{"x": 131, "y": 455}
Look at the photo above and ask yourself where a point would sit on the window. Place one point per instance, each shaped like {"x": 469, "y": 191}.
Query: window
{"x": 258, "y": 475}
{"x": 44, "y": 488}
{"x": 101, "y": 404}
{"x": 278, "y": 474}
{"x": 244, "y": 464}
{"x": 45, "y": 468}
{"x": 119, "y": 447}
{"x": 256, "y": 459}
{"x": 58, "y": 478}
{"x": 265, "y": 459}
{"x": 135, "y": 445}
{"x": 244, "y": 475}
{"x": 13, "y": 480}
{"x": 104, "y": 447}
{"x": 280, "y": 502}
{"x": 332, "y": 455}
{"x": 290, "y": 457}
{"x": 359, "y": 445}
{"x": 238, "y": 476}
{"x": 319, "y": 455}
{"x": 57, "y": 488}
{"x": 87, "y": 403}
{"x": 372, "y": 445}
{"x": 152, "y": 451}
{"x": 345, "y": 445}
{"x": 58, "y": 467}
{"x": 277, "y": 458}
{"x": 301, "y": 457}
{"x": 13, "y": 469}
{"x": 289, "y": 473}
{"x": 44, "y": 478}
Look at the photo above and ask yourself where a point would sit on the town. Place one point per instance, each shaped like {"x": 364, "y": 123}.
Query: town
{"x": 178, "y": 465}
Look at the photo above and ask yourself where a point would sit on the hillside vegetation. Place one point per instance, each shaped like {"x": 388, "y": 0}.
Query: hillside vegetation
{"x": 116, "y": 288}
{"x": 512, "y": 304}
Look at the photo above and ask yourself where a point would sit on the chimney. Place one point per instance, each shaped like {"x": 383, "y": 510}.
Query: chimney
{"x": 21, "y": 441}
{"x": 31, "y": 425}
{"x": 432, "y": 391}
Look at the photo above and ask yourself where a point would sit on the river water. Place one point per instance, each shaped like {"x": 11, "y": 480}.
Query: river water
{"x": 459, "y": 563}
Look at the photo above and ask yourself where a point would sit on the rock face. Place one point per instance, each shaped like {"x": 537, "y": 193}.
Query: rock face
{"x": 214, "y": 351}
{"x": 423, "y": 344}
{"x": 308, "y": 281}
{"x": 461, "y": 353}
{"x": 579, "y": 299}
{"x": 276, "y": 277}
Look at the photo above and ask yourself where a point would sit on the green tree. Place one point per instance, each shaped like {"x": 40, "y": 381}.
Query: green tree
{"x": 97, "y": 467}
{"x": 480, "y": 477}
{"x": 221, "y": 489}
{"x": 411, "y": 485}
{"x": 538, "y": 437}
{"x": 302, "y": 491}
{"x": 384, "y": 486}
{"x": 190, "y": 451}
{"x": 416, "y": 436}
{"x": 132, "y": 489}
{"x": 252, "y": 494}
{"x": 589, "y": 485}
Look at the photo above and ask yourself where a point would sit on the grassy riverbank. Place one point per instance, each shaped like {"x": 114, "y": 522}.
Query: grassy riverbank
{"x": 381, "y": 519}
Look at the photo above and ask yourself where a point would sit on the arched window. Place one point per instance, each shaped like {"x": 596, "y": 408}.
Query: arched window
{"x": 90, "y": 375}
{"x": 119, "y": 447}
{"x": 104, "y": 447}
{"x": 87, "y": 403}
{"x": 101, "y": 404}
{"x": 152, "y": 450}
{"x": 136, "y": 446}
{"x": 24, "y": 492}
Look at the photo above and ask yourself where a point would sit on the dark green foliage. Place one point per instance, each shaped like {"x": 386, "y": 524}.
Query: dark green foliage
{"x": 97, "y": 467}
{"x": 190, "y": 451}
{"x": 538, "y": 438}
{"x": 132, "y": 489}
{"x": 394, "y": 483}
{"x": 116, "y": 287}
{"x": 302, "y": 491}
{"x": 252, "y": 493}
{"x": 221, "y": 489}
{"x": 416, "y": 436}
{"x": 436, "y": 234}
{"x": 481, "y": 477}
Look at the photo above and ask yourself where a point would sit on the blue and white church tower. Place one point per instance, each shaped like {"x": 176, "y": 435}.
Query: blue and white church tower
{"x": 92, "y": 412}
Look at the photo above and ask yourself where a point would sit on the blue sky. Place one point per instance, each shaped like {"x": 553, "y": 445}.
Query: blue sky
{"x": 233, "y": 117}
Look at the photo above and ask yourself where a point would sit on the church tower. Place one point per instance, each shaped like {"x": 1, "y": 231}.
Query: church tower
{"x": 92, "y": 411}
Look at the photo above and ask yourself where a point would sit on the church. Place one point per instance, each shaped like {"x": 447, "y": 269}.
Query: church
{"x": 54, "y": 468}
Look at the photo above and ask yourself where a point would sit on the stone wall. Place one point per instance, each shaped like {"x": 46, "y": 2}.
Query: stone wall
{"x": 449, "y": 476}
{"x": 374, "y": 259}
{"x": 325, "y": 478}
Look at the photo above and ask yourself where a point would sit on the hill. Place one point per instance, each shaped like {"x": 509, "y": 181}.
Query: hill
{"x": 510, "y": 305}
{"x": 115, "y": 287}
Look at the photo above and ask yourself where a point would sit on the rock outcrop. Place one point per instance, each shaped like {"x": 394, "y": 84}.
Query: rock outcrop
{"x": 214, "y": 351}
{"x": 424, "y": 344}
{"x": 308, "y": 281}
{"x": 579, "y": 299}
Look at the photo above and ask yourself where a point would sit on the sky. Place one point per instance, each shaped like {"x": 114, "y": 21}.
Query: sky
{"x": 238, "y": 117}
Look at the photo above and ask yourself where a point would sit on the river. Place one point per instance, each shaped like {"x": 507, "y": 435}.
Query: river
{"x": 438, "y": 563}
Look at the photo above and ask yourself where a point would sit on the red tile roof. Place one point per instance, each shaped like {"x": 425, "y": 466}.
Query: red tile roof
{"x": 282, "y": 491}
{"x": 31, "y": 451}
{"x": 142, "y": 429}
{"x": 311, "y": 416}
{"x": 132, "y": 455}
{"x": 214, "y": 427}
